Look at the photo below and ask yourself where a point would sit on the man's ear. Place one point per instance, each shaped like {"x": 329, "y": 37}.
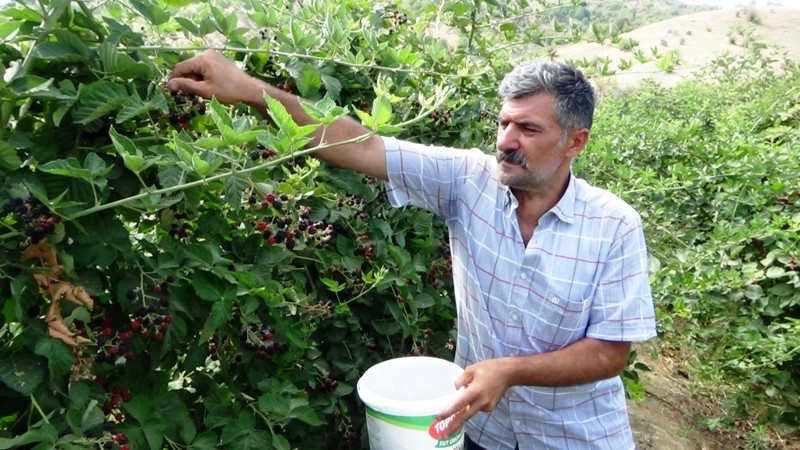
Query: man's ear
{"x": 576, "y": 142}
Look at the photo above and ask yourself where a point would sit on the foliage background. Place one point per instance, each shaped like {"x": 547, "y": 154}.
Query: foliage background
{"x": 205, "y": 331}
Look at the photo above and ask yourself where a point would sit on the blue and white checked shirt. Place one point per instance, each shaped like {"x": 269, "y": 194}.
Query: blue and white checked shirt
{"x": 583, "y": 274}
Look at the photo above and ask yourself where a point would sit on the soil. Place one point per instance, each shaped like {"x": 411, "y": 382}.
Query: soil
{"x": 675, "y": 408}
{"x": 698, "y": 39}
{"x": 670, "y": 416}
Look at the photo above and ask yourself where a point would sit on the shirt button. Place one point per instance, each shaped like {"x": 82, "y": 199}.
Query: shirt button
{"x": 515, "y": 317}
{"x": 523, "y": 276}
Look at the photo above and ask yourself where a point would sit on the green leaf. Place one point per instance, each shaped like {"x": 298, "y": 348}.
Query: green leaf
{"x": 93, "y": 171}
{"x": 205, "y": 441}
{"x": 220, "y": 314}
{"x": 226, "y": 23}
{"x": 22, "y": 373}
{"x": 151, "y": 11}
{"x": 60, "y": 52}
{"x": 98, "y": 99}
{"x": 44, "y": 433}
{"x": 201, "y": 167}
{"x": 59, "y": 356}
{"x": 333, "y": 285}
{"x": 254, "y": 440}
{"x": 366, "y": 119}
{"x": 280, "y": 442}
{"x": 142, "y": 409}
{"x": 209, "y": 286}
{"x": 382, "y": 110}
{"x": 307, "y": 414}
{"x": 423, "y": 300}
{"x": 187, "y": 24}
{"x": 134, "y": 107}
{"x": 234, "y": 188}
{"x": 776, "y": 272}
{"x": 209, "y": 142}
{"x": 92, "y": 416}
{"x": 324, "y": 111}
{"x": 332, "y": 85}
{"x": 9, "y": 159}
{"x": 37, "y": 87}
{"x": 120, "y": 64}
{"x": 275, "y": 405}
{"x": 220, "y": 115}
{"x": 309, "y": 82}
{"x": 244, "y": 424}
{"x": 782, "y": 290}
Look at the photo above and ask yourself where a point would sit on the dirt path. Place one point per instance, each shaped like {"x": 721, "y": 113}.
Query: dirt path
{"x": 670, "y": 417}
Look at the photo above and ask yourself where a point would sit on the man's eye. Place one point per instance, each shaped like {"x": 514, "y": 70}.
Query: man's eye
{"x": 502, "y": 123}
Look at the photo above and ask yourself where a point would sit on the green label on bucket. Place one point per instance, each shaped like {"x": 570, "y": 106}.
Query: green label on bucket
{"x": 427, "y": 424}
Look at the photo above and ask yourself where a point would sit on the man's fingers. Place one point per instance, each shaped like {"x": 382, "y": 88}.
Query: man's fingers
{"x": 462, "y": 400}
{"x": 458, "y": 420}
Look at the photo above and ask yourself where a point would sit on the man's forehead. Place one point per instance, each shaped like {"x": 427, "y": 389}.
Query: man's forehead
{"x": 539, "y": 108}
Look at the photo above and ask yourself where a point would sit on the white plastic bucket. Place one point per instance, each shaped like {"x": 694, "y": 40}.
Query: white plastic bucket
{"x": 402, "y": 397}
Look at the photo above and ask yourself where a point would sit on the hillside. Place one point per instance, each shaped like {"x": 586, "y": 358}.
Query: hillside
{"x": 697, "y": 38}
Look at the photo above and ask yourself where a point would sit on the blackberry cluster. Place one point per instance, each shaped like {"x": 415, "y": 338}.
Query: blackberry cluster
{"x": 262, "y": 152}
{"x": 258, "y": 338}
{"x": 186, "y": 108}
{"x": 180, "y": 228}
{"x": 281, "y": 230}
{"x": 114, "y": 399}
{"x": 153, "y": 320}
{"x": 39, "y": 221}
{"x": 442, "y": 118}
{"x": 112, "y": 344}
{"x": 396, "y": 18}
{"x": 353, "y": 280}
{"x": 367, "y": 250}
{"x": 115, "y": 440}
{"x": 358, "y": 205}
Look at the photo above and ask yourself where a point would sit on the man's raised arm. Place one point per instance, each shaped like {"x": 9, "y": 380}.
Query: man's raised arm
{"x": 212, "y": 75}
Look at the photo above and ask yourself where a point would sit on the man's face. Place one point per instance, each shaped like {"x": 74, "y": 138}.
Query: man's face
{"x": 530, "y": 155}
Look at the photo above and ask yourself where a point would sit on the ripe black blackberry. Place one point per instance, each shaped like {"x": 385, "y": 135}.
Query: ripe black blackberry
{"x": 37, "y": 219}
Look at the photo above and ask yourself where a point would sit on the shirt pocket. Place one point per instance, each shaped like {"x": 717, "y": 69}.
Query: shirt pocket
{"x": 554, "y": 322}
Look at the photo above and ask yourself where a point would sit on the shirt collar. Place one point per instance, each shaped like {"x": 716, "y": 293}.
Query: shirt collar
{"x": 564, "y": 209}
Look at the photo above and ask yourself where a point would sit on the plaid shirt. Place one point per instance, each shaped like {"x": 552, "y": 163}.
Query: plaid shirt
{"x": 583, "y": 274}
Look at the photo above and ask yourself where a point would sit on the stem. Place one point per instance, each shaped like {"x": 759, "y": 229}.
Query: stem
{"x": 204, "y": 181}
{"x": 379, "y": 276}
{"x": 49, "y": 23}
{"x": 304, "y": 56}
{"x": 39, "y": 408}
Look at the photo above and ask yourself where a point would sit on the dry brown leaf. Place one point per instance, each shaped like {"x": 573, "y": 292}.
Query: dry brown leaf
{"x": 58, "y": 329}
{"x": 58, "y": 289}
{"x": 42, "y": 251}
{"x": 79, "y": 296}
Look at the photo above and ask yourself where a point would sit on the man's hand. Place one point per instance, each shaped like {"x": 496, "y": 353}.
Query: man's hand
{"x": 481, "y": 387}
{"x": 486, "y": 382}
{"x": 212, "y": 75}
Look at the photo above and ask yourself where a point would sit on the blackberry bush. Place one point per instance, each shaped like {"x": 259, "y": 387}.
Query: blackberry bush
{"x": 183, "y": 273}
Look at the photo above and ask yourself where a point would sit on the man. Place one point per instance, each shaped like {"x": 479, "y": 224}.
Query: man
{"x": 550, "y": 273}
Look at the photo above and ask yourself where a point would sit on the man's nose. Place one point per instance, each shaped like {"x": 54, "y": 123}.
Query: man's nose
{"x": 508, "y": 138}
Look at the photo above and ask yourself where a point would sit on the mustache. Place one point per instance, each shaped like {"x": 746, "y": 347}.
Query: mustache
{"x": 514, "y": 157}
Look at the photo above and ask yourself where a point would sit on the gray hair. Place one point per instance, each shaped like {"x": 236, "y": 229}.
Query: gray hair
{"x": 574, "y": 95}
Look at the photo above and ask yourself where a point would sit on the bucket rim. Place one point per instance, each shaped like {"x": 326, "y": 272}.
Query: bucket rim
{"x": 406, "y": 408}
